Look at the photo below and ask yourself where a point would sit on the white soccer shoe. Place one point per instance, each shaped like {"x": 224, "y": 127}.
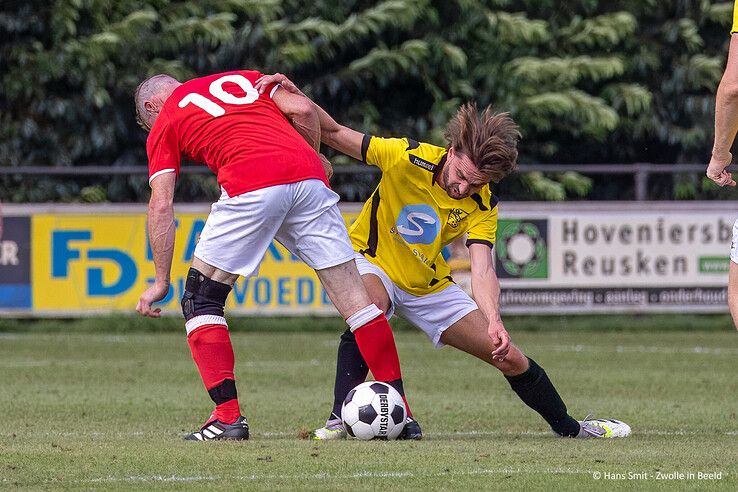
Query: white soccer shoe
{"x": 602, "y": 428}
{"x": 333, "y": 429}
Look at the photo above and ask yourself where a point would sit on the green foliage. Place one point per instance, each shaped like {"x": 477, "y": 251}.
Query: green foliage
{"x": 603, "y": 31}
{"x": 575, "y": 184}
{"x": 587, "y": 80}
{"x": 515, "y": 29}
{"x": 92, "y": 194}
{"x": 543, "y": 187}
{"x": 558, "y": 186}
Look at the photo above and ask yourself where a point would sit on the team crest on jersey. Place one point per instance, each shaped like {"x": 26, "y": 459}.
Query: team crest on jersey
{"x": 455, "y": 216}
{"x": 418, "y": 224}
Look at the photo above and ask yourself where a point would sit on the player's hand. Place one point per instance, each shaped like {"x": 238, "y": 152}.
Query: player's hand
{"x": 717, "y": 173}
{"x": 500, "y": 338}
{"x": 278, "y": 78}
{"x": 327, "y": 166}
{"x": 156, "y": 292}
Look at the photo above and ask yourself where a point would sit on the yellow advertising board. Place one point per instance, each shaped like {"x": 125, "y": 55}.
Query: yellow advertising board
{"x": 86, "y": 263}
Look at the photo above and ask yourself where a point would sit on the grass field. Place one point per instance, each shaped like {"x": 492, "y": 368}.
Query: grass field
{"x": 86, "y": 410}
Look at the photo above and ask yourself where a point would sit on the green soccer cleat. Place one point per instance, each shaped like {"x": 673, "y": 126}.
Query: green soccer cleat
{"x": 333, "y": 429}
{"x": 602, "y": 428}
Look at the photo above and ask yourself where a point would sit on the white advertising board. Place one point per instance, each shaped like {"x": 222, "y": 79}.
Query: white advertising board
{"x": 614, "y": 257}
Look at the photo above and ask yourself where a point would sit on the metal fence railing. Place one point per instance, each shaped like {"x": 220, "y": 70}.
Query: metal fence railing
{"x": 640, "y": 171}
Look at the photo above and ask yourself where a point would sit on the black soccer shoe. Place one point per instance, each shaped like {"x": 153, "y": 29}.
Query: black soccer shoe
{"x": 411, "y": 431}
{"x": 217, "y": 430}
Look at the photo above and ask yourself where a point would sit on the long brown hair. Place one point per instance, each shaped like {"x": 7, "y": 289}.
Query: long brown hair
{"x": 489, "y": 140}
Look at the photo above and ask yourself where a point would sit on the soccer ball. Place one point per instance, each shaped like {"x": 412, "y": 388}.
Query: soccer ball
{"x": 373, "y": 410}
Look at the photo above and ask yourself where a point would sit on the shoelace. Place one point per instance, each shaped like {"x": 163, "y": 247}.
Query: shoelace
{"x": 589, "y": 419}
{"x": 333, "y": 425}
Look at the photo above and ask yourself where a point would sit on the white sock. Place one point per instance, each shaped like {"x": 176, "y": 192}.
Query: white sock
{"x": 363, "y": 316}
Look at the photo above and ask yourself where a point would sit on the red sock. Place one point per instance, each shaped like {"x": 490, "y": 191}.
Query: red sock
{"x": 377, "y": 346}
{"x": 213, "y": 354}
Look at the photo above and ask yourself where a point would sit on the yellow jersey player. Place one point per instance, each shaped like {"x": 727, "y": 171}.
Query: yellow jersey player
{"x": 427, "y": 197}
{"x": 726, "y": 126}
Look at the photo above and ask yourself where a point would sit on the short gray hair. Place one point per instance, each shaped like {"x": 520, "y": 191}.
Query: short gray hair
{"x": 146, "y": 91}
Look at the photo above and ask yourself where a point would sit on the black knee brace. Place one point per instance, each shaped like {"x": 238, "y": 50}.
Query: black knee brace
{"x": 203, "y": 296}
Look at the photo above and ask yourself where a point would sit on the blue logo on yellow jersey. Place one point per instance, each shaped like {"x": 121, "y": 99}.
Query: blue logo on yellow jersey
{"x": 418, "y": 224}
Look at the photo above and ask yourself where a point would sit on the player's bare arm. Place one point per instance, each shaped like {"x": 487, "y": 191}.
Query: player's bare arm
{"x": 295, "y": 106}
{"x": 161, "y": 236}
{"x": 486, "y": 290}
{"x": 726, "y": 119}
{"x": 302, "y": 114}
{"x": 342, "y": 138}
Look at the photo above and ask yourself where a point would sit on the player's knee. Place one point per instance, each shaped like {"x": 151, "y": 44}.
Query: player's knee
{"x": 384, "y": 305}
{"x": 515, "y": 362}
{"x": 203, "y": 296}
{"x": 518, "y": 361}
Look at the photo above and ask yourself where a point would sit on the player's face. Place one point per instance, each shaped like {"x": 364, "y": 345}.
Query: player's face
{"x": 461, "y": 177}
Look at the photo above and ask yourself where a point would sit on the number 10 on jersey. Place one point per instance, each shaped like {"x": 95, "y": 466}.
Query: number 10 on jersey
{"x": 216, "y": 90}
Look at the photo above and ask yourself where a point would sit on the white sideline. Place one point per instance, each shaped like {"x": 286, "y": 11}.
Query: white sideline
{"x": 259, "y": 364}
{"x": 640, "y": 349}
{"x": 352, "y": 476}
{"x": 579, "y": 348}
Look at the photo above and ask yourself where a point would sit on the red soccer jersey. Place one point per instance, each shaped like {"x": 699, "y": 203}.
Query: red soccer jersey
{"x": 241, "y": 135}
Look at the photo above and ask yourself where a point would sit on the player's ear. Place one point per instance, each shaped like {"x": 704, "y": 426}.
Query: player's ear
{"x": 150, "y": 107}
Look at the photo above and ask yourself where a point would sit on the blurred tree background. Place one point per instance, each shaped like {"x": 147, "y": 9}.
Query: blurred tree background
{"x": 589, "y": 81}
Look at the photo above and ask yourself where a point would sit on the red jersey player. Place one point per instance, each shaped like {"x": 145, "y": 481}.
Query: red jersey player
{"x": 263, "y": 148}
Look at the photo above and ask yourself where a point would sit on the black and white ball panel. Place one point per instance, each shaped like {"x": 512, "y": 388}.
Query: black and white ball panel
{"x": 373, "y": 410}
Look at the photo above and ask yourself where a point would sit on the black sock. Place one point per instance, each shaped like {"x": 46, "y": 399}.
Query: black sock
{"x": 351, "y": 370}
{"x": 537, "y": 391}
{"x": 397, "y": 384}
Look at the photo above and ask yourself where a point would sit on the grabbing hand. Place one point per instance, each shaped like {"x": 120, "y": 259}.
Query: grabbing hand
{"x": 278, "y": 78}
{"x": 500, "y": 339}
{"x": 717, "y": 173}
{"x": 327, "y": 166}
{"x": 155, "y": 293}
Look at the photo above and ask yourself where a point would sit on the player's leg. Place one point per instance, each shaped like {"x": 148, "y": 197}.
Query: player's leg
{"x": 233, "y": 241}
{"x": 451, "y": 317}
{"x": 733, "y": 277}
{"x": 733, "y": 292}
{"x": 366, "y": 322}
{"x": 527, "y": 379}
{"x": 351, "y": 368}
{"x": 203, "y": 303}
{"x": 315, "y": 231}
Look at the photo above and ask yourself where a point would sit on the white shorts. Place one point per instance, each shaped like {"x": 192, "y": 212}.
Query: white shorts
{"x": 734, "y": 244}
{"x": 432, "y": 313}
{"x": 302, "y": 216}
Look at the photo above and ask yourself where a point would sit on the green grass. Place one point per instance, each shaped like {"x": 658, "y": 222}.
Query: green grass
{"x": 106, "y": 411}
{"x": 514, "y": 323}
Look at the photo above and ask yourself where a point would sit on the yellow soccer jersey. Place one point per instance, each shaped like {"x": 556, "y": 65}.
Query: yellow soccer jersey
{"x": 735, "y": 18}
{"x": 409, "y": 218}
